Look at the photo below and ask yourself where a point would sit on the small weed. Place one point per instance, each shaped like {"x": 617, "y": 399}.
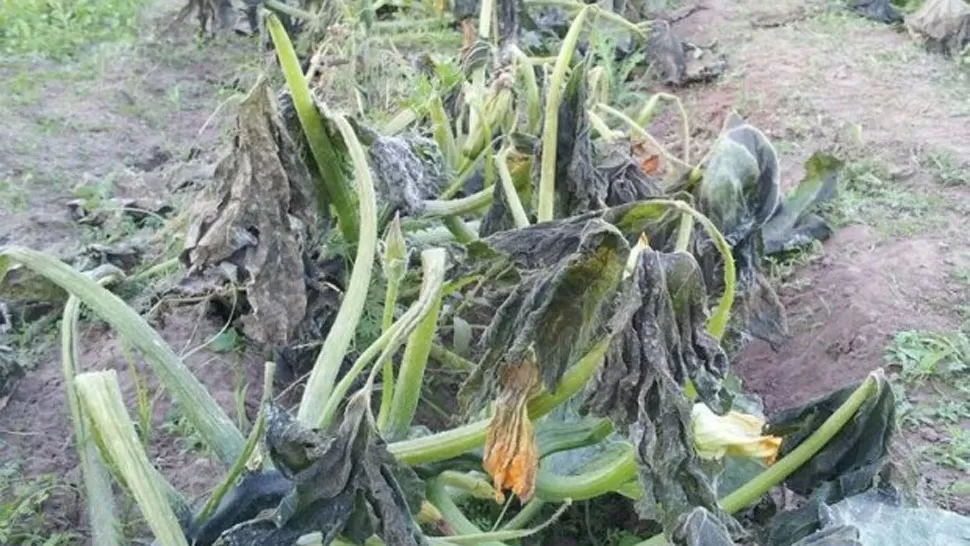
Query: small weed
{"x": 946, "y": 168}
{"x": 922, "y": 355}
{"x": 955, "y": 451}
{"x": 13, "y": 192}
{"x": 22, "y": 519}
{"x": 62, "y": 28}
{"x": 870, "y": 196}
{"x": 177, "y": 425}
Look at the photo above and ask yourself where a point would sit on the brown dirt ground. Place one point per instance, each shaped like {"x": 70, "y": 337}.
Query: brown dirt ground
{"x": 809, "y": 76}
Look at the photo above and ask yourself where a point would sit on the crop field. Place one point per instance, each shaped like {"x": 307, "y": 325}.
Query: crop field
{"x": 493, "y": 272}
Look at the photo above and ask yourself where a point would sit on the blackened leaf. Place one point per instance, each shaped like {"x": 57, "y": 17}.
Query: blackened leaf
{"x": 945, "y": 24}
{"x": 345, "y": 483}
{"x": 739, "y": 193}
{"x": 851, "y": 461}
{"x": 555, "y": 309}
{"x": 407, "y": 171}
{"x": 579, "y": 187}
{"x": 792, "y": 226}
{"x": 641, "y": 388}
{"x": 701, "y": 528}
{"x": 257, "y": 217}
{"x": 627, "y": 181}
{"x": 878, "y": 10}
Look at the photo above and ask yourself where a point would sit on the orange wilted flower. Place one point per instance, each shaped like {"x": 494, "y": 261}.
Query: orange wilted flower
{"x": 511, "y": 453}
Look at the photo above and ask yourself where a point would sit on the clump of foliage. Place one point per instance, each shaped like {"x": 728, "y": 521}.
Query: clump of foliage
{"x": 587, "y": 274}
{"x": 63, "y": 28}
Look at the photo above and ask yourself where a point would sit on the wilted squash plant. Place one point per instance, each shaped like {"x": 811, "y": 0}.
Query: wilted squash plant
{"x": 606, "y": 293}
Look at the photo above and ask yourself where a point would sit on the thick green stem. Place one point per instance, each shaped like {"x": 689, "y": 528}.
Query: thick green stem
{"x": 602, "y": 480}
{"x": 320, "y": 385}
{"x": 433, "y": 262}
{"x": 642, "y": 133}
{"x": 439, "y": 497}
{"x": 214, "y": 426}
{"x": 451, "y": 443}
{"x": 407, "y": 393}
{"x": 550, "y": 129}
{"x": 334, "y": 190}
{"x": 749, "y": 493}
{"x": 473, "y": 485}
{"x": 684, "y": 231}
{"x": 525, "y": 516}
{"x": 387, "y": 375}
{"x": 105, "y": 530}
{"x": 255, "y": 435}
{"x": 508, "y": 188}
{"x": 461, "y": 231}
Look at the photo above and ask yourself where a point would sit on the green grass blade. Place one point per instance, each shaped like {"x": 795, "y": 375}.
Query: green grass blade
{"x": 198, "y": 406}
{"x": 100, "y": 396}
{"x": 320, "y": 385}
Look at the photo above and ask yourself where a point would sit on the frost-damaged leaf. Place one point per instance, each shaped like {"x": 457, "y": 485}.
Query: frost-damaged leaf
{"x": 255, "y": 219}
{"x": 345, "y": 483}
{"x": 579, "y": 187}
{"x": 681, "y": 63}
{"x": 660, "y": 342}
{"x": 568, "y": 270}
{"x": 740, "y": 193}
{"x": 878, "y": 10}
{"x": 408, "y": 170}
{"x": 850, "y": 462}
{"x": 627, "y": 181}
{"x": 945, "y": 24}
{"x": 792, "y": 226}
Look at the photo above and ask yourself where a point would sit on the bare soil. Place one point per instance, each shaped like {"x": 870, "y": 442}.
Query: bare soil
{"x": 813, "y": 77}
{"x": 816, "y": 77}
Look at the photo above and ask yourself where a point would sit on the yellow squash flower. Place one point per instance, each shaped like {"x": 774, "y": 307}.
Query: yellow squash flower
{"x": 734, "y": 433}
{"x": 511, "y": 453}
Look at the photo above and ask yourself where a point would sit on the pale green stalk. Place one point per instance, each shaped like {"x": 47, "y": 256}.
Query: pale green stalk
{"x": 602, "y": 129}
{"x": 97, "y": 485}
{"x": 433, "y": 265}
{"x": 619, "y": 20}
{"x": 594, "y": 483}
{"x": 320, "y": 385}
{"x": 508, "y": 188}
{"x": 395, "y": 264}
{"x": 252, "y": 442}
{"x": 525, "y": 516}
{"x": 443, "y": 134}
{"x": 473, "y": 485}
{"x": 215, "y": 427}
{"x": 101, "y": 398}
{"x": 642, "y": 133}
{"x": 533, "y": 99}
{"x": 407, "y": 392}
{"x": 459, "y": 229}
{"x": 684, "y": 231}
{"x": 749, "y": 493}
{"x": 550, "y": 129}
{"x": 453, "y": 442}
{"x": 439, "y": 497}
{"x": 400, "y": 122}
{"x": 511, "y": 534}
{"x": 334, "y": 188}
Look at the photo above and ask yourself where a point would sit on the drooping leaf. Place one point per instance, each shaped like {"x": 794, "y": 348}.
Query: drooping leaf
{"x": 740, "y": 193}
{"x": 568, "y": 271}
{"x": 256, "y": 219}
{"x": 852, "y": 460}
{"x": 793, "y": 226}
{"x": 641, "y": 388}
{"x": 579, "y": 186}
{"x": 344, "y": 483}
{"x": 878, "y": 10}
{"x": 408, "y": 170}
{"x": 945, "y": 25}
{"x": 627, "y": 181}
